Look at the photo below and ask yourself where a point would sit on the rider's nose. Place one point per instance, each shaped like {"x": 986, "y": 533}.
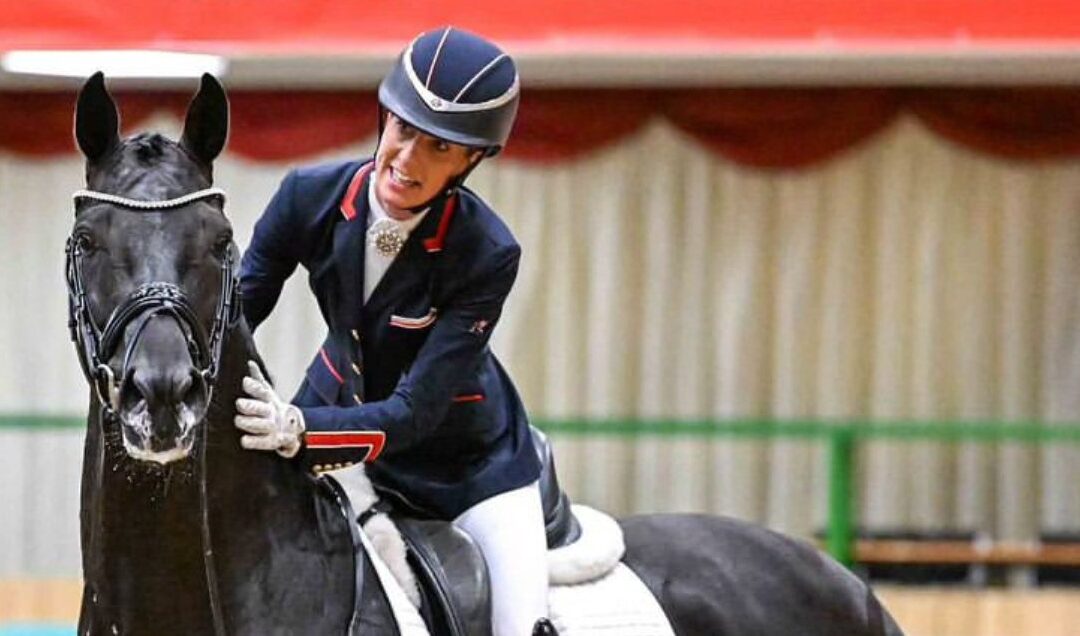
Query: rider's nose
{"x": 407, "y": 152}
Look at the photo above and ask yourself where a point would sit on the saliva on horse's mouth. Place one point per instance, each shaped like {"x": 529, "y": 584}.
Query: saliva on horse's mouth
{"x": 137, "y": 431}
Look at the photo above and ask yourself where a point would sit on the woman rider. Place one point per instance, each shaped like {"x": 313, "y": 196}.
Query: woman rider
{"x": 410, "y": 270}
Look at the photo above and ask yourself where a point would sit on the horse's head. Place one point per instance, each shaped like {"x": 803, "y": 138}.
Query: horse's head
{"x": 150, "y": 270}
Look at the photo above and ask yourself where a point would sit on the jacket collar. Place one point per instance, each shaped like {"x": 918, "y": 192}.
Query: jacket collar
{"x": 354, "y": 205}
{"x": 411, "y": 267}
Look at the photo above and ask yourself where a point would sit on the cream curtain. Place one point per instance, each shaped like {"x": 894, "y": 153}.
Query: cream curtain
{"x": 908, "y": 279}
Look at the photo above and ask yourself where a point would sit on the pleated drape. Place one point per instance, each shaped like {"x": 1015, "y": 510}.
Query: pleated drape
{"x": 775, "y": 128}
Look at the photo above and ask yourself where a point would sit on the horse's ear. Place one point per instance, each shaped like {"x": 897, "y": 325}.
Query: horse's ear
{"x": 207, "y": 124}
{"x": 97, "y": 124}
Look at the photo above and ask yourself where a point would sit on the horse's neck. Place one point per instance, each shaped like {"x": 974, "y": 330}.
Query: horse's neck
{"x": 142, "y": 528}
{"x": 251, "y": 492}
{"x": 281, "y": 544}
{"x": 142, "y": 547}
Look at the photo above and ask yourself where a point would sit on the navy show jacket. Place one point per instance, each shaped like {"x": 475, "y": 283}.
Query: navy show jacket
{"x": 407, "y": 376}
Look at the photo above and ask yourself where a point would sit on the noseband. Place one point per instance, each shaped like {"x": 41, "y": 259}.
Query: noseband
{"x": 96, "y": 346}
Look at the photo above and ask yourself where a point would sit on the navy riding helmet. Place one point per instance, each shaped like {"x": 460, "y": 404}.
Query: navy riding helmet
{"x": 454, "y": 85}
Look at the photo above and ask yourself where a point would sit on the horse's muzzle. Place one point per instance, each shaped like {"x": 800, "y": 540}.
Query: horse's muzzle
{"x": 162, "y": 398}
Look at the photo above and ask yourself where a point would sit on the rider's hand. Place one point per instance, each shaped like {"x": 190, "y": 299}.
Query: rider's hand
{"x": 273, "y": 423}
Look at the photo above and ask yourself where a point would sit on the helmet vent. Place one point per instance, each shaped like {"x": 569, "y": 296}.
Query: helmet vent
{"x": 480, "y": 74}
{"x": 435, "y": 60}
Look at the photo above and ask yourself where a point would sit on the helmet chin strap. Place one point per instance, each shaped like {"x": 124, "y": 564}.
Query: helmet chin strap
{"x": 451, "y": 186}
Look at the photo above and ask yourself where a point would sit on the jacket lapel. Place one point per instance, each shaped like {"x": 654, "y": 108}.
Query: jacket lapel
{"x": 412, "y": 266}
{"x": 349, "y": 261}
{"x": 349, "y": 243}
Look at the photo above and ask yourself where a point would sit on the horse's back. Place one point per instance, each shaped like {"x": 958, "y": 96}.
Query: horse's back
{"x": 719, "y": 576}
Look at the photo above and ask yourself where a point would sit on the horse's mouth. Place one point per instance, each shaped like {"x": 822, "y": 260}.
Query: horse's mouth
{"x": 163, "y": 437}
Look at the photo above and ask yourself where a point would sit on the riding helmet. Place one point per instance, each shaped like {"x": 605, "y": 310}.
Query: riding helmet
{"x": 456, "y": 86}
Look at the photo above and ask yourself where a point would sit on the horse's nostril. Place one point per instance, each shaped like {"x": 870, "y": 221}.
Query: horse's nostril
{"x": 130, "y": 393}
{"x": 194, "y": 392}
{"x": 163, "y": 388}
{"x": 183, "y": 386}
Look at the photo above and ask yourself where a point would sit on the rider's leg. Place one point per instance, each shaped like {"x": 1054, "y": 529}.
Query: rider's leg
{"x": 509, "y": 530}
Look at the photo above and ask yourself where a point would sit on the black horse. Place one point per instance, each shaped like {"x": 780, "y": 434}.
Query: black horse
{"x": 184, "y": 532}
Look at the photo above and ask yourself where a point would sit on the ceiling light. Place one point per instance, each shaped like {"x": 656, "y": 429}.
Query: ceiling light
{"x": 130, "y": 63}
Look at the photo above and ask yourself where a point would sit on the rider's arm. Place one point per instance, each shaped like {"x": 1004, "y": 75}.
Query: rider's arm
{"x": 450, "y": 356}
{"x": 272, "y": 255}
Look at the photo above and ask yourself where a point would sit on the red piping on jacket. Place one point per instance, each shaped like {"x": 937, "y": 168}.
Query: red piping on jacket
{"x": 348, "y": 205}
{"x": 330, "y": 365}
{"x": 373, "y": 440}
{"x": 435, "y": 243}
{"x": 432, "y": 244}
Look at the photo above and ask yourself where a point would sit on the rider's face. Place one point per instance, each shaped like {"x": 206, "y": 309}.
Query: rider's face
{"x": 411, "y": 166}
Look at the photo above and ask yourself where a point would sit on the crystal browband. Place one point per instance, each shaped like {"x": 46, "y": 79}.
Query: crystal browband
{"x": 150, "y": 205}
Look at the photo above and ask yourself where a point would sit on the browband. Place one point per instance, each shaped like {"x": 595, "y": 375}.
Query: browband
{"x": 149, "y": 205}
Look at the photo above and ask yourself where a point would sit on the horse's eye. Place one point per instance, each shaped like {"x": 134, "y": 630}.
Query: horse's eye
{"x": 221, "y": 245}
{"x": 85, "y": 243}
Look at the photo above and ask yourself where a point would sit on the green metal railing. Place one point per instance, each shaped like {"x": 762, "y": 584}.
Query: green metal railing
{"x": 841, "y": 437}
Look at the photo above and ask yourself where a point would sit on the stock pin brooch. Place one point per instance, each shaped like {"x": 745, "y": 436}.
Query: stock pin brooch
{"x": 387, "y": 237}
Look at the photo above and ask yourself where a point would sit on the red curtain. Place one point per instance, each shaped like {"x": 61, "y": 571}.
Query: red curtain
{"x": 766, "y": 128}
{"x": 780, "y": 128}
{"x": 1016, "y": 123}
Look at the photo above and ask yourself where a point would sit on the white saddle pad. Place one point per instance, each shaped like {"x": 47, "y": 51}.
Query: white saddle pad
{"x": 408, "y": 618}
{"x": 616, "y": 604}
{"x": 583, "y": 601}
{"x": 596, "y": 551}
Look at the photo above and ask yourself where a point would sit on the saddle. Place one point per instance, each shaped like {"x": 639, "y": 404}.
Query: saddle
{"x": 450, "y": 571}
{"x": 452, "y": 575}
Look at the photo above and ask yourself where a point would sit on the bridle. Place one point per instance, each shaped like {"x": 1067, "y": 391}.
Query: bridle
{"x": 96, "y": 346}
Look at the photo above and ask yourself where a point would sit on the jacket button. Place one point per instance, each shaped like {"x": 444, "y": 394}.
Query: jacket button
{"x": 356, "y": 368}
{"x": 355, "y": 335}
{"x": 357, "y": 399}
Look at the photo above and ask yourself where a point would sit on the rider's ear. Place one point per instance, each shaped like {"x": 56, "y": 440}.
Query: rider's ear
{"x": 97, "y": 123}
{"x": 207, "y": 124}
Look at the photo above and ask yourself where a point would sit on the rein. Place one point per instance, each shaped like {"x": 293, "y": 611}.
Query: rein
{"x": 96, "y": 346}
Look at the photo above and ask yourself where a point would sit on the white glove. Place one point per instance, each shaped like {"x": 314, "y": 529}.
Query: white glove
{"x": 273, "y": 423}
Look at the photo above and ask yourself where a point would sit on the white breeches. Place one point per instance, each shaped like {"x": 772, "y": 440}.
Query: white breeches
{"x": 509, "y": 530}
